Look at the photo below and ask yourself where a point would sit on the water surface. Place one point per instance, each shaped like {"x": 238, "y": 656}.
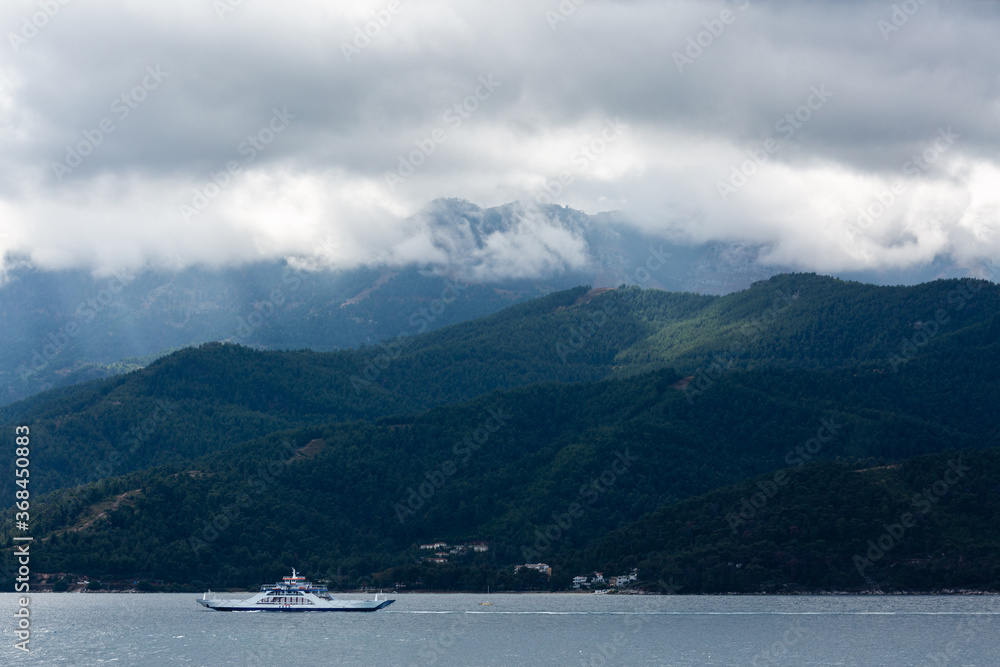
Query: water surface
{"x": 426, "y": 629}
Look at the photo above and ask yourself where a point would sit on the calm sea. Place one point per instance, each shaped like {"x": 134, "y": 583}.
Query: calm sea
{"x": 105, "y": 629}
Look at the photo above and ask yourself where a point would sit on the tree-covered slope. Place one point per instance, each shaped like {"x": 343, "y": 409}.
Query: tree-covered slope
{"x": 541, "y": 472}
{"x": 200, "y": 400}
{"x": 515, "y": 421}
{"x": 924, "y": 524}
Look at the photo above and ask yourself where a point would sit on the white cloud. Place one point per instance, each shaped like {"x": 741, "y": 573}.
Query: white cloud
{"x": 318, "y": 187}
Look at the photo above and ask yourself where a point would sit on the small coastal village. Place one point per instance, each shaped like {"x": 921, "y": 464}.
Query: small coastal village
{"x": 592, "y": 581}
{"x": 440, "y": 551}
{"x": 597, "y": 581}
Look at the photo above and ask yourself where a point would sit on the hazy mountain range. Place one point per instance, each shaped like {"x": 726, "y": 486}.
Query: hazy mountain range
{"x": 63, "y": 327}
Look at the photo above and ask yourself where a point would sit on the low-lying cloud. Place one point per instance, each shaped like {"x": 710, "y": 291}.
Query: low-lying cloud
{"x": 216, "y": 133}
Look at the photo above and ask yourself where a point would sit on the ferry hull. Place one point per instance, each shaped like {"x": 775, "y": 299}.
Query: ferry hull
{"x": 293, "y": 593}
{"x": 234, "y": 605}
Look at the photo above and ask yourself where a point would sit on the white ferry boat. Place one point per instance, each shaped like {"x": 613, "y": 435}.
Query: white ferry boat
{"x": 293, "y": 593}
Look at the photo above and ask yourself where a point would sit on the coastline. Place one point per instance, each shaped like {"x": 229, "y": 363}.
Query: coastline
{"x": 939, "y": 593}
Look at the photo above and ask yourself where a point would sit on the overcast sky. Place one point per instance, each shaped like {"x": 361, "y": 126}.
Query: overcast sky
{"x": 764, "y": 122}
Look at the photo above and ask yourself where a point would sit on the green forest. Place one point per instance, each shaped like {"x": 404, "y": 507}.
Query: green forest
{"x": 806, "y": 434}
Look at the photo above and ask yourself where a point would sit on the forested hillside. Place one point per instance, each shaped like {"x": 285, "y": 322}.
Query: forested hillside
{"x": 586, "y": 429}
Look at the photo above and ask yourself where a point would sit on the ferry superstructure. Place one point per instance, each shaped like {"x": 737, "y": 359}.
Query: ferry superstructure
{"x": 293, "y": 593}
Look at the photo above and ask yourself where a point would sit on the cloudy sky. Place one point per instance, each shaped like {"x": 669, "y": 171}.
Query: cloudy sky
{"x": 844, "y": 135}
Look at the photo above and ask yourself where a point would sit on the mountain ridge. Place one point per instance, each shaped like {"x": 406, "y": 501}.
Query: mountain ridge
{"x": 716, "y": 390}
{"x": 70, "y": 326}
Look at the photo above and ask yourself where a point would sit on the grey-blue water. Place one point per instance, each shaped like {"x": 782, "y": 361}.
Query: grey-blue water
{"x": 105, "y": 629}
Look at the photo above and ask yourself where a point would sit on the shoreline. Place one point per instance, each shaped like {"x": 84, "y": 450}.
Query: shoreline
{"x": 942, "y": 593}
